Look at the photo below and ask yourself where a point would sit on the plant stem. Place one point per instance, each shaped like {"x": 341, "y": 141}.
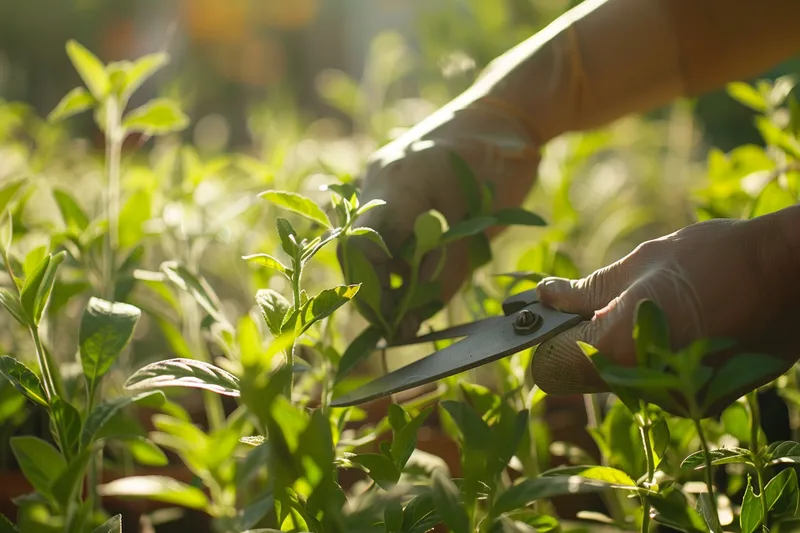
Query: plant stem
{"x": 755, "y": 429}
{"x": 707, "y": 458}
{"x": 114, "y": 137}
{"x": 45, "y": 365}
{"x": 644, "y": 431}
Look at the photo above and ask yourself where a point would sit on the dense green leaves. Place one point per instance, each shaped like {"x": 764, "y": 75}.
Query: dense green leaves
{"x": 447, "y": 498}
{"x": 184, "y": 373}
{"x": 106, "y": 329}
{"x": 740, "y": 372}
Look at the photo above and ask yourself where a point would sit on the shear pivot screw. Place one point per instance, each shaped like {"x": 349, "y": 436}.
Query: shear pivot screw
{"x": 527, "y": 321}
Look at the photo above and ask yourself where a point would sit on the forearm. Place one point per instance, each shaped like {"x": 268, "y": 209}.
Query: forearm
{"x": 778, "y": 245}
{"x": 608, "y": 58}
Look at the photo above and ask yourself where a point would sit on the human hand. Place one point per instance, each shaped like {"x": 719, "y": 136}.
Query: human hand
{"x": 715, "y": 279}
{"x": 414, "y": 174}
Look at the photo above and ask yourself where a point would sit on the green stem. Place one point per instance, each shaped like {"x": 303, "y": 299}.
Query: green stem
{"x": 709, "y": 473}
{"x": 644, "y": 431}
{"x": 114, "y": 137}
{"x": 755, "y": 429}
{"x": 406, "y": 300}
{"x": 45, "y": 365}
{"x": 594, "y": 417}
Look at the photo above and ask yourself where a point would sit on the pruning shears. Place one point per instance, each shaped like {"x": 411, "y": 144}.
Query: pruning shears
{"x": 525, "y": 323}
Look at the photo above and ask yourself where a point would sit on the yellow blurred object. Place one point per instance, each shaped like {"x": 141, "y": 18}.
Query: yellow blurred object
{"x": 232, "y": 21}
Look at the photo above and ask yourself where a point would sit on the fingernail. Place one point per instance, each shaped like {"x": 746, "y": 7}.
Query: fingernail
{"x": 554, "y": 285}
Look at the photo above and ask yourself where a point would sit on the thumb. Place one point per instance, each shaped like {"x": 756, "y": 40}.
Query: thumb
{"x": 586, "y": 295}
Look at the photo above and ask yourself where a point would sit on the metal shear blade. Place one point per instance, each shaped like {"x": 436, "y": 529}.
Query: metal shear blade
{"x": 484, "y": 341}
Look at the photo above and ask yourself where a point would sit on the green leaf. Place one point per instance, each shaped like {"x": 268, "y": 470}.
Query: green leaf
{"x": 372, "y": 204}
{"x": 428, "y": 230}
{"x": 76, "y": 101}
{"x": 781, "y": 492}
{"x": 145, "y": 452}
{"x": 12, "y": 304}
{"x": 405, "y": 439}
{"x": 30, "y": 288}
{"x": 782, "y": 452}
{"x": 106, "y": 329}
{"x": 184, "y": 373}
{"x": 273, "y": 307}
{"x": 6, "y": 526}
{"x": 358, "y": 350}
{"x": 197, "y": 286}
{"x": 66, "y": 485}
{"x": 752, "y": 513}
{"x": 479, "y": 251}
{"x": 742, "y": 373}
{"x": 287, "y": 235}
{"x": 64, "y": 416}
{"x": 468, "y": 183}
{"x": 141, "y": 70}
{"x": 379, "y": 467}
{"x": 39, "y": 461}
{"x": 156, "y": 117}
{"x": 361, "y": 270}
{"x": 325, "y": 303}
{"x": 90, "y": 69}
{"x": 516, "y": 216}
{"x": 270, "y": 262}
{"x": 530, "y": 490}
{"x": 707, "y": 511}
{"x": 475, "y": 432}
{"x": 650, "y": 331}
{"x": 468, "y": 228}
{"x": 612, "y": 476}
{"x": 112, "y": 525}
{"x": 639, "y": 378}
{"x": 771, "y": 199}
{"x": 23, "y": 379}
{"x": 46, "y": 285}
{"x": 720, "y": 456}
{"x": 372, "y": 235}
{"x": 8, "y": 192}
{"x": 158, "y": 488}
{"x": 674, "y": 511}
{"x": 775, "y": 136}
{"x": 393, "y": 516}
{"x": 297, "y": 203}
{"x": 72, "y": 213}
{"x": 447, "y": 498}
{"x": 747, "y": 95}
{"x": 104, "y": 412}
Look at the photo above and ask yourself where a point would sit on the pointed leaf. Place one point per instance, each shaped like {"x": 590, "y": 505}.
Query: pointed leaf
{"x": 270, "y": 262}
{"x": 273, "y": 307}
{"x": 325, "y": 303}
{"x": 112, "y": 525}
{"x": 46, "y": 285}
{"x": 64, "y": 416}
{"x": 516, "y": 216}
{"x": 720, "y": 456}
{"x": 468, "y": 228}
{"x": 39, "y": 461}
{"x": 91, "y": 70}
{"x": 358, "y": 350}
{"x": 372, "y": 235}
{"x": 30, "y": 287}
{"x": 612, "y": 476}
{"x": 184, "y": 373}
{"x": 783, "y": 497}
{"x": 468, "y": 183}
{"x": 783, "y": 452}
{"x": 141, "y": 70}
{"x": 741, "y": 372}
{"x": 66, "y": 485}
{"x": 428, "y": 230}
{"x": 156, "y": 117}
{"x": 23, "y": 379}
{"x": 405, "y": 439}
{"x": 299, "y": 204}
{"x": 372, "y": 204}
{"x": 104, "y": 412}
{"x": 197, "y": 286}
{"x": 379, "y": 467}
{"x": 707, "y": 511}
{"x": 106, "y": 329}
{"x": 158, "y": 488}
{"x": 6, "y": 526}
{"x": 747, "y": 95}
{"x": 650, "y": 331}
{"x": 72, "y": 213}
{"x": 12, "y": 304}
{"x": 447, "y": 498}
{"x": 76, "y": 101}
{"x": 752, "y": 512}
{"x": 530, "y": 490}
